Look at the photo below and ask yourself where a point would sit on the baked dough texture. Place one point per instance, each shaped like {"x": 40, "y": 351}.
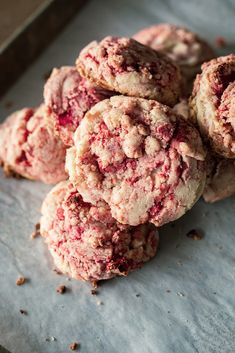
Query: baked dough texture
{"x": 87, "y": 243}
{"x": 130, "y": 68}
{"x": 140, "y": 157}
{"x": 212, "y": 104}
{"x": 29, "y": 148}
{"x": 68, "y": 97}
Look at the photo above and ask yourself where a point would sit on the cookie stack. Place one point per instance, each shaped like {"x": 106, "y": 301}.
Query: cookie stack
{"x": 134, "y": 156}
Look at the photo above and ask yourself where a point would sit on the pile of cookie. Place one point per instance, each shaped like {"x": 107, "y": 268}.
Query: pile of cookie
{"x": 132, "y": 141}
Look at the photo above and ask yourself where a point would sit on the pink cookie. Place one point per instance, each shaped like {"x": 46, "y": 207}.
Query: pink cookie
{"x": 87, "y": 243}
{"x": 69, "y": 97}
{"x": 128, "y": 67}
{"x": 213, "y": 104}
{"x": 140, "y": 157}
{"x": 29, "y": 148}
{"x": 184, "y": 47}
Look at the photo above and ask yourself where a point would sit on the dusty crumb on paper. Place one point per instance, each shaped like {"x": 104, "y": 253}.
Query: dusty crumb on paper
{"x": 137, "y": 295}
{"x": 51, "y": 339}
{"x": 220, "y": 42}
{"x": 74, "y": 346}
{"x": 99, "y": 302}
{"x": 61, "y": 289}
{"x": 194, "y": 234}
{"x": 23, "y": 312}
{"x": 94, "y": 292}
{"x": 58, "y": 272}
{"x": 180, "y": 294}
{"x": 36, "y": 233}
{"x": 168, "y": 290}
{"x": 20, "y": 281}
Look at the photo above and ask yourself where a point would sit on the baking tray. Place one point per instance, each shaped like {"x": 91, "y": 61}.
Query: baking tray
{"x": 183, "y": 300}
{"x": 26, "y": 28}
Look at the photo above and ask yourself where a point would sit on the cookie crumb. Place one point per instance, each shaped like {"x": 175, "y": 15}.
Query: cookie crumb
{"x": 94, "y": 292}
{"x": 20, "y": 281}
{"x": 194, "y": 234}
{"x": 36, "y": 232}
{"x": 137, "y": 295}
{"x": 168, "y": 291}
{"x": 51, "y": 339}
{"x": 23, "y": 312}
{"x": 220, "y": 42}
{"x": 57, "y": 271}
{"x": 100, "y": 302}
{"x": 73, "y": 346}
{"x": 181, "y": 294}
{"x": 61, "y": 289}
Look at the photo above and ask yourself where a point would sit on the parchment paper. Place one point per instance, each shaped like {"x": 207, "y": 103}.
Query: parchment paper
{"x": 182, "y": 301}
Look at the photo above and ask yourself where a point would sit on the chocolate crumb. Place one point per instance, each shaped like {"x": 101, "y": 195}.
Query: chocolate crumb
{"x": 168, "y": 291}
{"x": 37, "y": 226}
{"x": 23, "y": 312}
{"x": 73, "y": 346}
{"x": 61, "y": 289}
{"x": 220, "y": 42}
{"x": 20, "y": 281}
{"x": 94, "y": 292}
{"x": 137, "y": 295}
{"x": 194, "y": 234}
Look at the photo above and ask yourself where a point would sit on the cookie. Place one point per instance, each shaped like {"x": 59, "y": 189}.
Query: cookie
{"x": 130, "y": 68}
{"x": 181, "y": 45}
{"x": 29, "y": 148}
{"x": 213, "y": 104}
{"x": 140, "y": 157}
{"x": 68, "y": 97}
{"x": 87, "y": 243}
